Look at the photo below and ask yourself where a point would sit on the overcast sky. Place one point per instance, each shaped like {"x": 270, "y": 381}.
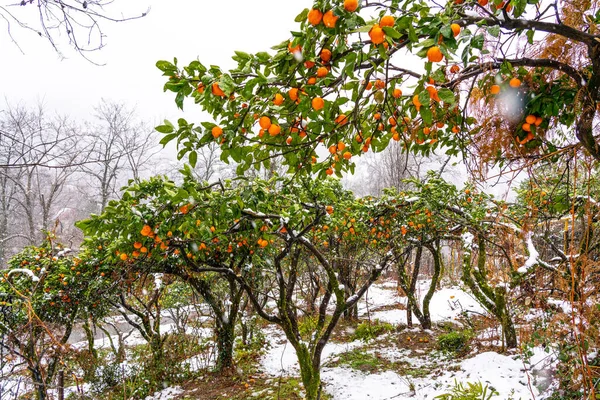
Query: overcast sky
{"x": 186, "y": 29}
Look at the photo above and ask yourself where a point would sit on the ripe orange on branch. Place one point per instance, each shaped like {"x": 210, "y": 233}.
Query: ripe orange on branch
{"x": 350, "y": 5}
{"x": 264, "y": 122}
{"x": 322, "y": 72}
{"x": 329, "y": 19}
{"x": 495, "y": 89}
{"x": 455, "y": 29}
{"x": 434, "y": 54}
{"x": 325, "y": 55}
{"x": 216, "y": 90}
{"x": 216, "y": 131}
{"x": 515, "y": 82}
{"x": 315, "y": 16}
{"x": 318, "y": 103}
{"x": 376, "y": 34}
{"x": 387, "y": 20}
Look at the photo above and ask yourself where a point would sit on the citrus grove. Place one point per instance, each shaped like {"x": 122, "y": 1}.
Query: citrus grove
{"x": 499, "y": 85}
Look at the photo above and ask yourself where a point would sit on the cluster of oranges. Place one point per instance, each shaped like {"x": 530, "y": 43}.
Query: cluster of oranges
{"x": 377, "y": 33}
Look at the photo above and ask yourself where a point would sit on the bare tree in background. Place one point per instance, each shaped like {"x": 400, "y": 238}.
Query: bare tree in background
{"x": 121, "y": 148}
{"x": 38, "y": 156}
{"x": 79, "y": 21}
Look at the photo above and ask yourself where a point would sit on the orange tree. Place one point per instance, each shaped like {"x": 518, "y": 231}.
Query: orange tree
{"x": 506, "y": 80}
{"x": 42, "y": 292}
{"x": 238, "y": 236}
{"x": 435, "y": 213}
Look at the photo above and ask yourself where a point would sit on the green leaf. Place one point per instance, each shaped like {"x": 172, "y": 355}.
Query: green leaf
{"x": 193, "y": 159}
{"x": 477, "y": 41}
{"x": 167, "y": 139}
{"x": 530, "y": 34}
{"x": 427, "y": 115}
{"x": 302, "y": 16}
{"x": 494, "y": 31}
{"x": 391, "y": 32}
{"x": 164, "y": 129}
{"x": 165, "y": 66}
{"x": 447, "y": 96}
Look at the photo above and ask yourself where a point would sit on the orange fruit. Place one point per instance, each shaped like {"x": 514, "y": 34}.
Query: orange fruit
{"x": 369, "y": 85}
{"x": 295, "y": 48}
{"x": 347, "y": 155}
{"x": 454, "y": 69}
{"x": 123, "y": 256}
{"x": 397, "y": 93}
{"x": 341, "y": 146}
{"x": 396, "y": 136}
{"x": 201, "y": 88}
{"x": 433, "y": 93}
{"x": 264, "y": 122}
{"x": 322, "y": 72}
{"x": 376, "y": 34}
{"x": 416, "y": 102}
{"x": 278, "y": 100}
{"x": 526, "y": 127}
{"x": 379, "y": 84}
{"x": 495, "y": 89}
{"x": 311, "y": 81}
{"x": 289, "y": 140}
{"x": 293, "y": 94}
{"x": 325, "y": 55}
{"x": 426, "y": 131}
{"x": 216, "y": 131}
{"x": 341, "y": 120}
{"x": 216, "y": 90}
{"x": 314, "y": 17}
{"x": 434, "y": 54}
{"x": 483, "y": 3}
{"x": 515, "y": 82}
{"x": 455, "y": 129}
{"x": 455, "y": 29}
{"x": 137, "y": 245}
{"x": 329, "y": 19}
{"x": 333, "y": 149}
{"x": 329, "y": 209}
{"x": 350, "y": 5}
{"x": 538, "y": 121}
{"x": 274, "y": 130}
{"x": 329, "y": 171}
{"x": 530, "y": 119}
{"x": 377, "y": 116}
{"x": 387, "y": 20}
{"x": 318, "y": 103}
{"x": 309, "y": 64}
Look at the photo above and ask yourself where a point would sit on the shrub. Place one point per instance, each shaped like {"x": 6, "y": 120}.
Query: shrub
{"x": 369, "y": 330}
{"x": 454, "y": 342}
{"x": 472, "y": 391}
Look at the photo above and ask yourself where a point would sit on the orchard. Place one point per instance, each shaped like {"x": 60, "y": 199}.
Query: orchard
{"x": 228, "y": 270}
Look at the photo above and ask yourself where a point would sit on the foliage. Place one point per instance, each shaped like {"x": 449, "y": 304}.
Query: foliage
{"x": 472, "y": 391}
{"x": 339, "y": 86}
{"x": 361, "y": 360}
{"x": 368, "y": 330}
{"x": 454, "y": 342}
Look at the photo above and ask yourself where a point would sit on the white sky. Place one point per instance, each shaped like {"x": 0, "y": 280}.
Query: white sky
{"x": 186, "y": 29}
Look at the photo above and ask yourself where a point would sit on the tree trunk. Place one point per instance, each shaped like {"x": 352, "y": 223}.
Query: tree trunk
{"x": 309, "y": 372}
{"x": 225, "y": 337}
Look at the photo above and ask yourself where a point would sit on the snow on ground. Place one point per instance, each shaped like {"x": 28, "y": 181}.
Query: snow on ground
{"x": 281, "y": 357}
{"x": 509, "y": 375}
{"x": 166, "y": 394}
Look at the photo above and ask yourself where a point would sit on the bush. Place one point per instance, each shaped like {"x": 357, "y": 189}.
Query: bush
{"x": 472, "y": 391}
{"x": 369, "y": 330}
{"x": 454, "y": 342}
